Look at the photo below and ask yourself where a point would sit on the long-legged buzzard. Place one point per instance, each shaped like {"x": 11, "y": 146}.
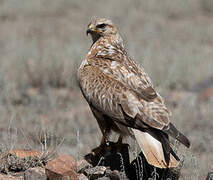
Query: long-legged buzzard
{"x": 122, "y": 97}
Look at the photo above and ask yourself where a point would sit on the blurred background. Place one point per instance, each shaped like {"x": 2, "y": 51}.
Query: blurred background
{"x": 43, "y": 42}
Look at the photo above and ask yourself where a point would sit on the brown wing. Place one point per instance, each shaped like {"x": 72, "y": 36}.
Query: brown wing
{"x": 110, "y": 97}
{"x": 113, "y": 98}
{"x": 124, "y": 69}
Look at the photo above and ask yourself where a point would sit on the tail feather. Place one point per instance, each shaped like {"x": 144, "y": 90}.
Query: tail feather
{"x": 155, "y": 150}
{"x": 172, "y": 131}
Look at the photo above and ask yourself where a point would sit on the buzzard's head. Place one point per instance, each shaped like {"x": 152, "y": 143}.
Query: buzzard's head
{"x": 101, "y": 27}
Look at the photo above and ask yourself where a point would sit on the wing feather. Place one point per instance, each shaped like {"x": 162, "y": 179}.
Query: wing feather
{"x": 112, "y": 98}
{"x": 126, "y": 70}
{"x": 153, "y": 150}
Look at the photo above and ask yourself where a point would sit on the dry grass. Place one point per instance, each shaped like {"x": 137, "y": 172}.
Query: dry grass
{"x": 42, "y": 43}
{"x": 37, "y": 151}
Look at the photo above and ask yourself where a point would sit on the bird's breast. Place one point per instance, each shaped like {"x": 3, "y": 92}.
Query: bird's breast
{"x": 83, "y": 63}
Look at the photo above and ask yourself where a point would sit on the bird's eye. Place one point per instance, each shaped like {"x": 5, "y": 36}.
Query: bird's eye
{"x": 101, "y": 26}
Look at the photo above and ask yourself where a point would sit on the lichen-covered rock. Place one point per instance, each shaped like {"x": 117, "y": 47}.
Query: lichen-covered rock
{"x": 8, "y": 177}
{"x": 11, "y": 163}
{"x": 95, "y": 172}
{"x": 82, "y": 165}
{"x": 36, "y": 173}
{"x": 115, "y": 175}
{"x": 82, "y": 177}
{"x": 209, "y": 176}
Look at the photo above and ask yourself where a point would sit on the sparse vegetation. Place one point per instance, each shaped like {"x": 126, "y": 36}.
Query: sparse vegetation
{"x": 42, "y": 43}
{"x": 12, "y": 164}
{"x": 13, "y": 161}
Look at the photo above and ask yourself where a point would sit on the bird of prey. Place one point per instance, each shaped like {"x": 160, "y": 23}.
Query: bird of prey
{"x": 122, "y": 97}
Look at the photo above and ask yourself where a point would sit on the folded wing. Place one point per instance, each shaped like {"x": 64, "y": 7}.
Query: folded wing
{"x": 149, "y": 119}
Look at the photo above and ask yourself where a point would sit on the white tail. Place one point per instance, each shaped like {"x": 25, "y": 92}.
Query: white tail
{"x": 153, "y": 150}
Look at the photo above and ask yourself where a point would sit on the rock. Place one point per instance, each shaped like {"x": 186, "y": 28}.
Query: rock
{"x": 63, "y": 166}
{"x": 8, "y": 177}
{"x": 102, "y": 173}
{"x": 95, "y": 172}
{"x": 82, "y": 177}
{"x": 11, "y": 163}
{"x": 202, "y": 85}
{"x": 104, "y": 178}
{"x": 115, "y": 175}
{"x": 206, "y": 95}
{"x": 23, "y": 153}
{"x": 36, "y": 173}
{"x": 82, "y": 165}
{"x": 209, "y": 176}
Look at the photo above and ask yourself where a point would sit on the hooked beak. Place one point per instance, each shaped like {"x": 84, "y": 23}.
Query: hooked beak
{"x": 90, "y": 29}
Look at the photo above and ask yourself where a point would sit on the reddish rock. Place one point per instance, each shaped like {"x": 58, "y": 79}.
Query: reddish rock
{"x": 8, "y": 177}
{"x": 206, "y": 94}
{"x": 36, "y": 173}
{"x": 22, "y": 153}
{"x": 209, "y": 176}
{"x": 62, "y": 167}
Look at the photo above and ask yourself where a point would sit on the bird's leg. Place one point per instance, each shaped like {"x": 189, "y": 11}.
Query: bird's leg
{"x": 119, "y": 143}
{"x": 120, "y": 139}
{"x": 104, "y": 140}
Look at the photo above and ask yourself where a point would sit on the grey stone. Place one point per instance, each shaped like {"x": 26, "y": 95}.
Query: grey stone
{"x": 95, "y": 172}
{"x": 36, "y": 173}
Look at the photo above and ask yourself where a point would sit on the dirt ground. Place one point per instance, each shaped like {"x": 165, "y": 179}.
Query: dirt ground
{"x": 43, "y": 42}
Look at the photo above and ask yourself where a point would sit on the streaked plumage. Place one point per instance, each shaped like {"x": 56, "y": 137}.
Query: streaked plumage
{"x": 122, "y": 97}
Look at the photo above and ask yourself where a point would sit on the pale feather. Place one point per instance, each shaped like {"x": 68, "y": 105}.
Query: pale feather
{"x": 153, "y": 150}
